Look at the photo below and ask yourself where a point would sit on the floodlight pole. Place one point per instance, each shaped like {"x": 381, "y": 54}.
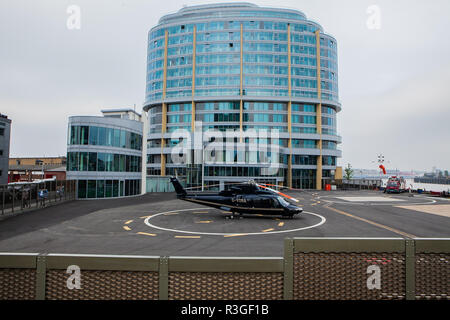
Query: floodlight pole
{"x": 203, "y": 170}
{"x": 203, "y": 166}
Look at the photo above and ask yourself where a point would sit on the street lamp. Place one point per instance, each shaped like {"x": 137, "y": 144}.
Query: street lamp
{"x": 203, "y": 165}
{"x": 203, "y": 168}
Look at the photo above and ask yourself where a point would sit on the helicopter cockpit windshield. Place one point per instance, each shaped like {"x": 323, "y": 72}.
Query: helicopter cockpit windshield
{"x": 283, "y": 202}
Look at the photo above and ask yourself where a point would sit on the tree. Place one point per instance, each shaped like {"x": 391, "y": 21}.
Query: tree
{"x": 348, "y": 172}
{"x": 446, "y": 173}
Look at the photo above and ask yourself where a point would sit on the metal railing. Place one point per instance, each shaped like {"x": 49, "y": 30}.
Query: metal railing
{"x": 20, "y": 197}
{"x": 358, "y": 184}
{"x": 312, "y": 268}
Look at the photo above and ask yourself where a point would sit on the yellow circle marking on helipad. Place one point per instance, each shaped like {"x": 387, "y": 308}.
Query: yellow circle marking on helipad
{"x": 147, "y": 234}
{"x": 235, "y": 235}
{"x": 188, "y": 237}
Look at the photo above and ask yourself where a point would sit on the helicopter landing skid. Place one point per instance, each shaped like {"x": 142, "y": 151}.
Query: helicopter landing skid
{"x": 234, "y": 216}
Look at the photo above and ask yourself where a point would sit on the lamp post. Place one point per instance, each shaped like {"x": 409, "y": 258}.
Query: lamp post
{"x": 360, "y": 179}
{"x": 380, "y": 162}
{"x": 203, "y": 166}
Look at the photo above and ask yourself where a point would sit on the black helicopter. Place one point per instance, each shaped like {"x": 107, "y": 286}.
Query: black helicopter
{"x": 249, "y": 198}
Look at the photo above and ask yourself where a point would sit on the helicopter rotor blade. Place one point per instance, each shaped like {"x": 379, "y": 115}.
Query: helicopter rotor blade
{"x": 278, "y": 192}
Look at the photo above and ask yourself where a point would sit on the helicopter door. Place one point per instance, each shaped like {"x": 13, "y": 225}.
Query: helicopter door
{"x": 276, "y": 204}
{"x": 266, "y": 203}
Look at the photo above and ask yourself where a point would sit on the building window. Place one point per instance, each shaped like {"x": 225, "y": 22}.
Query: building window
{"x": 81, "y": 189}
{"x": 105, "y": 137}
{"x": 100, "y": 162}
{"x": 108, "y": 188}
{"x": 2, "y": 132}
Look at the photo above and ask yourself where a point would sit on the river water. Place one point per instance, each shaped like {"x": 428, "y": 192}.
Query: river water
{"x": 424, "y": 186}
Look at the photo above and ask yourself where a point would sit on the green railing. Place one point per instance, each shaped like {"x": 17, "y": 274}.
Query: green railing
{"x": 311, "y": 269}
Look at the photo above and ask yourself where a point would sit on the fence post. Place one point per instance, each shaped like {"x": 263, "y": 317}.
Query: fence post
{"x": 3, "y": 200}
{"x": 164, "y": 278}
{"x": 13, "y": 196}
{"x": 288, "y": 287}
{"x": 37, "y": 195}
{"x": 41, "y": 270}
{"x": 410, "y": 275}
{"x": 21, "y": 198}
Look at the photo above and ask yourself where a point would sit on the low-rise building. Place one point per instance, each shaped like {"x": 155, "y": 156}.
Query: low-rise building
{"x": 35, "y": 168}
{"x": 104, "y": 154}
{"x": 5, "y": 136}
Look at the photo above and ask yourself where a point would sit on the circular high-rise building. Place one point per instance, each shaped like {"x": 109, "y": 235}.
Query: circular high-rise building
{"x": 227, "y": 72}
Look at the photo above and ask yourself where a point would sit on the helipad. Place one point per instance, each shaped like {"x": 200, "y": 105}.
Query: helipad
{"x": 160, "y": 224}
{"x": 294, "y": 225}
{"x": 369, "y": 199}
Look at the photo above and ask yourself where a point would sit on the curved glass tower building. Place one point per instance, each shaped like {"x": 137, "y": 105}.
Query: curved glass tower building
{"x": 235, "y": 89}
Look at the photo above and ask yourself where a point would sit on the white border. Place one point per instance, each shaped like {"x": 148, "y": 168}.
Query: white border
{"x": 147, "y": 222}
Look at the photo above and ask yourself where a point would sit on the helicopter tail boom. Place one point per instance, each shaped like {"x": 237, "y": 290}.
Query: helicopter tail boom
{"x": 181, "y": 193}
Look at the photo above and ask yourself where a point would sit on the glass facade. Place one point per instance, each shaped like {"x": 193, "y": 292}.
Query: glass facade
{"x": 101, "y": 136}
{"x": 265, "y": 65}
{"x": 104, "y": 156}
{"x": 97, "y": 189}
{"x": 101, "y": 162}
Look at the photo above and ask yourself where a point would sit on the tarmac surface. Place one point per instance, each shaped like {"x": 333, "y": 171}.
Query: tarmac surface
{"x": 159, "y": 224}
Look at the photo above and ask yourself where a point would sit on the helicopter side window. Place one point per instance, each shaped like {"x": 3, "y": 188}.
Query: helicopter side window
{"x": 265, "y": 203}
{"x": 275, "y": 203}
{"x": 256, "y": 203}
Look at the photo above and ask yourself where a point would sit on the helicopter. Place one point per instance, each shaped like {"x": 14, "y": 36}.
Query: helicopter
{"x": 243, "y": 198}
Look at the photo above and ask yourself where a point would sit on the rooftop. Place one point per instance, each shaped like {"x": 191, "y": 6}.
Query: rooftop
{"x": 4, "y": 118}
{"x": 223, "y": 10}
{"x": 120, "y": 110}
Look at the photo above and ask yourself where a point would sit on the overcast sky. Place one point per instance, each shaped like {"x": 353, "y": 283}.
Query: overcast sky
{"x": 394, "y": 81}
